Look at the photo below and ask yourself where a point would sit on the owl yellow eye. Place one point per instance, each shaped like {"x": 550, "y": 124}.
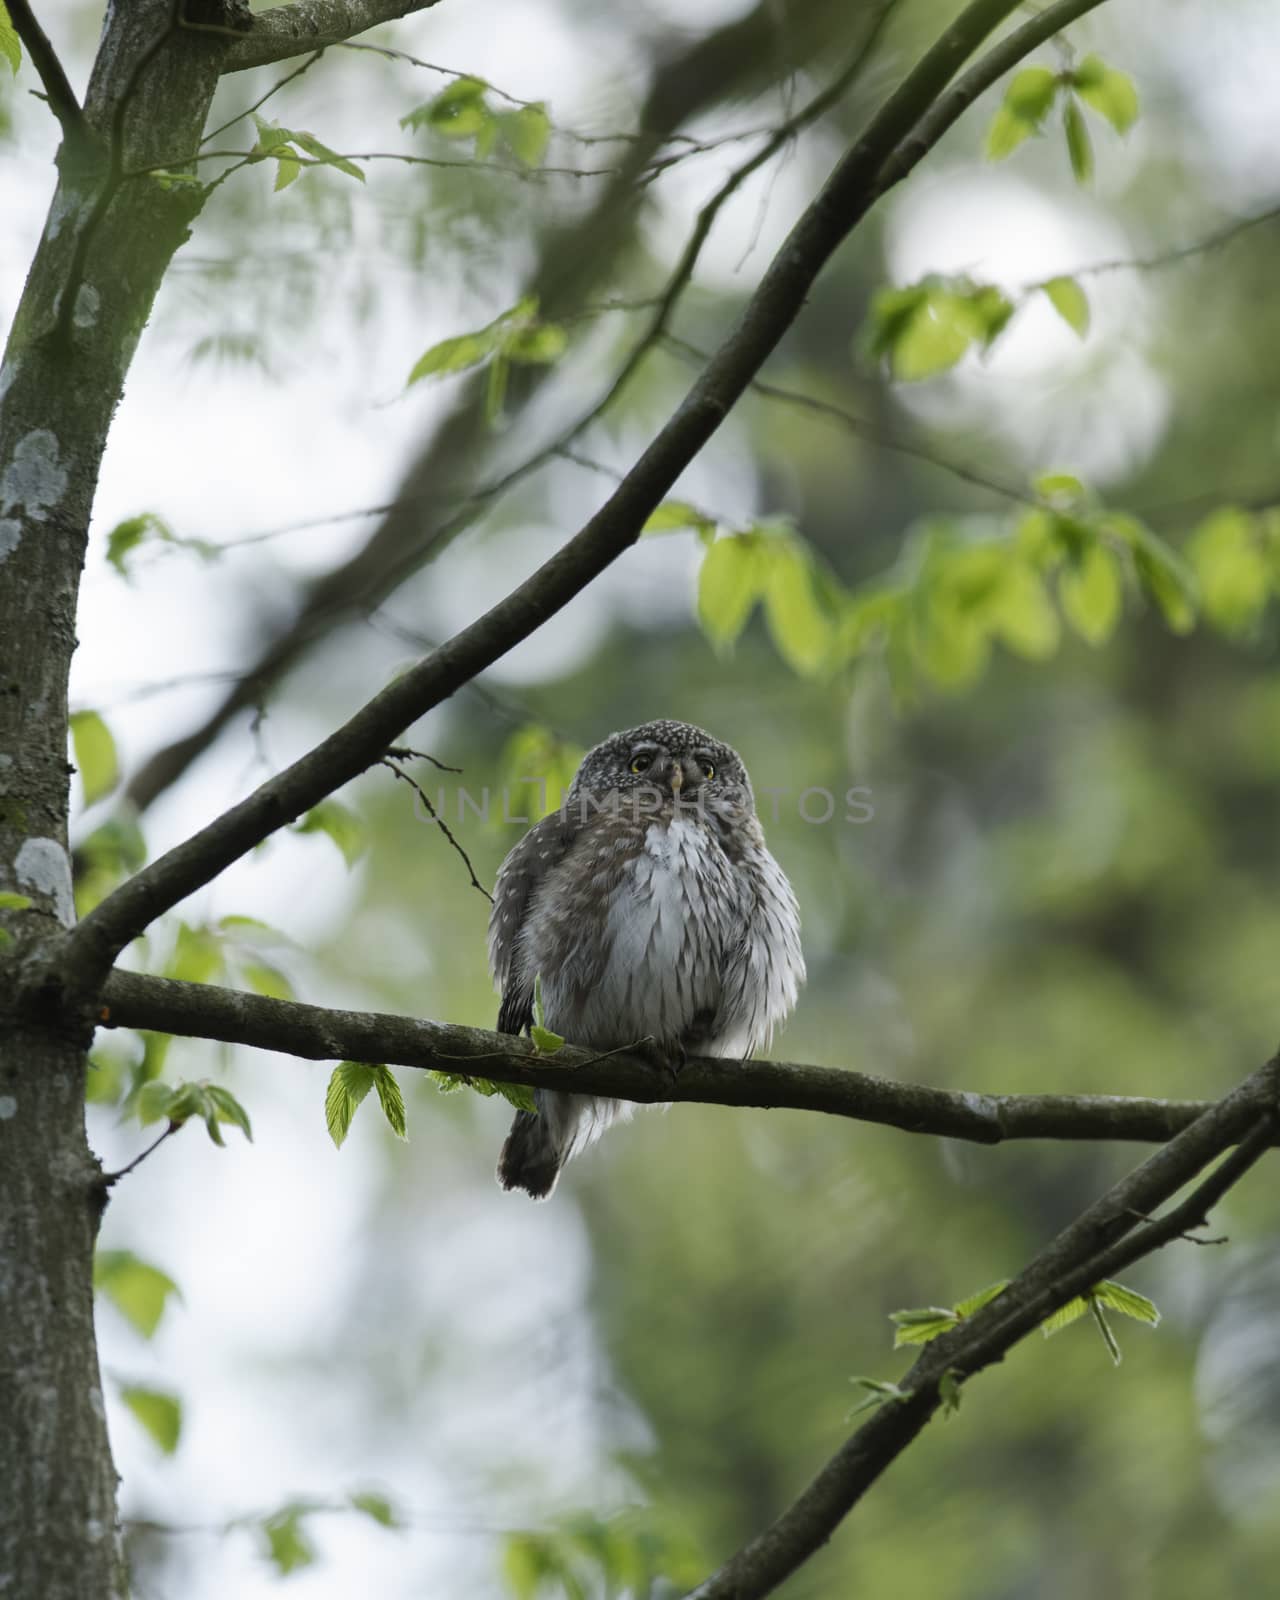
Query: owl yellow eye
{"x": 708, "y": 771}
{"x": 640, "y": 764}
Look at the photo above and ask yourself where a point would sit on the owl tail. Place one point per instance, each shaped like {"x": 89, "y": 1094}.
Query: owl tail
{"x": 539, "y": 1145}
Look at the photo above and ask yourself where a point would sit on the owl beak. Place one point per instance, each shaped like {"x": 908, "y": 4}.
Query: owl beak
{"x": 677, "y": 778}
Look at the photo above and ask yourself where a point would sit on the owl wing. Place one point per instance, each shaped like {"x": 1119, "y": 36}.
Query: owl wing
{"x": 542, "y": 848}
{"x": 766, "y": 966}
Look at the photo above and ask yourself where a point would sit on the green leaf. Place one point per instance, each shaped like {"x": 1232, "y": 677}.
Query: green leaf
{"x": 158, "y": 1412}
{"x": 321, "y": 152}
{"x": 128, "y": 535}
{"x": 674, "y": 516}
{"x": 1005, "y": 133}
{"x": 975, "y": 1302}
{"x": 928, "y": 327}
{"x": 1022, "y": 112}
{"x": 377, "y": 1507}
{"x": 1031, "y": 92}
{"x": 1060, "y": 487}
{"x": 14, "y": 902}
{"x": 730, "y": 582}
{"x": 1128, "y": 1302}
{"x": 1079, "y": 144}
{"x": 934, "y": 340}
{"x": 949, "y": 1391}
{"x": 270, "y": 136}
{"x": 390, "y": 1098}
{"x": 138, "y": 1290}
{"x": 1104, "y": 1328}
{"x": 95, "y": 754}
{"x": 10, "y": 44}
{"x": 800, "y": 628}
{"x": 1071, "y": 303}
{"x": 539, "y": 1013}
{"x": 520, "y": 1095}
{"x": 892, "y": 313}
{"x": 1110, "y": 93}
{"x": 1227, "y": 555}
{"x": 495, "y": 394}
{"x": 1064, "y": 1316}
{"x": 152, "y": 1101}
{"x": 537, "y": 769}
{"x": 989, "y": 309}
{"x": 197, "y": 956}
{"x": 538, "y": 344}
{"x": 288, "y": 170}
{"x": 341, "y": 824}
{"x": 920, "y": 1326}
{"x": 452, "y": 355}
{"x": 526, "y": 133}
{"x": 105, "y": 1080}
{"x": 1161, "y": 571}
{"x": 192, "y": 1100}
{"x": 267, "y": 980}
{"x": 878, "y": 1393}
{"x": 544, "y": 1039}
{"x": 288, "y": 1545}
{"x": 348, "y": 1086}
{"x": 458, "y": 112}
{"x": 927, "y": 1322}
{"x": 349, "y": 1083}
{"x": 1022, "y": 615}
{"x": 178, "y": 1103}
{"x": 1090, "y": 594}
{"x": 228, "y": 1109}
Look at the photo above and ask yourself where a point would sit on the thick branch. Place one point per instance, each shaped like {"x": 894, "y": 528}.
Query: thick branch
{"x": 44, "y": 58}
{"x": 311, "y": 25}
{"x": 317, "y": 1033}
{"x": 1089, "y": 1250}
{"x": 847, "y": 196}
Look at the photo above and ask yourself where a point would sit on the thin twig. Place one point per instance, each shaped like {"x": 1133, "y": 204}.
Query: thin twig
{"x": 402, "y": 752}
{"x": 864, "y": 429}
{"x": 49, "y": 69}
{"x": 692, "y": 146}
{"x": 1217, "y": 240}
{"x": 108, "y": 1178}
{"x": 262, "y": 99}
{"x": 389, "y": 761}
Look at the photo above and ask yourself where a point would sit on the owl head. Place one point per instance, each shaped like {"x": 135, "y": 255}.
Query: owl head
{"x": 667, "y": 763}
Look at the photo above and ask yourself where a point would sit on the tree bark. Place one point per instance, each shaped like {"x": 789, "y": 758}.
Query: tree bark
{"x": 106, "y": 243}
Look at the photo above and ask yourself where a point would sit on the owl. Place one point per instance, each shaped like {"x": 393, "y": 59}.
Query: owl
{"x": 648, "y": 912}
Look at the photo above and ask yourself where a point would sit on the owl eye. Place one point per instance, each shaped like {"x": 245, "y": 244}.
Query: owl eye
{"x": 708, "y": 770}
{"x": 641, "y": 763}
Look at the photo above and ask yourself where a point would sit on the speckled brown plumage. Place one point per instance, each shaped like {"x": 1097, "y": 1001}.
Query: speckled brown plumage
{"x": 651, "y": 912}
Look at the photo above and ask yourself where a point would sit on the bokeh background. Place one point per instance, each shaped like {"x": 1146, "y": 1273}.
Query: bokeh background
{"x": 1069, "y": 881}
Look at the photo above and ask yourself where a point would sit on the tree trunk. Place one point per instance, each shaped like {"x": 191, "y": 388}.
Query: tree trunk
{"x": 106, "y": 244}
